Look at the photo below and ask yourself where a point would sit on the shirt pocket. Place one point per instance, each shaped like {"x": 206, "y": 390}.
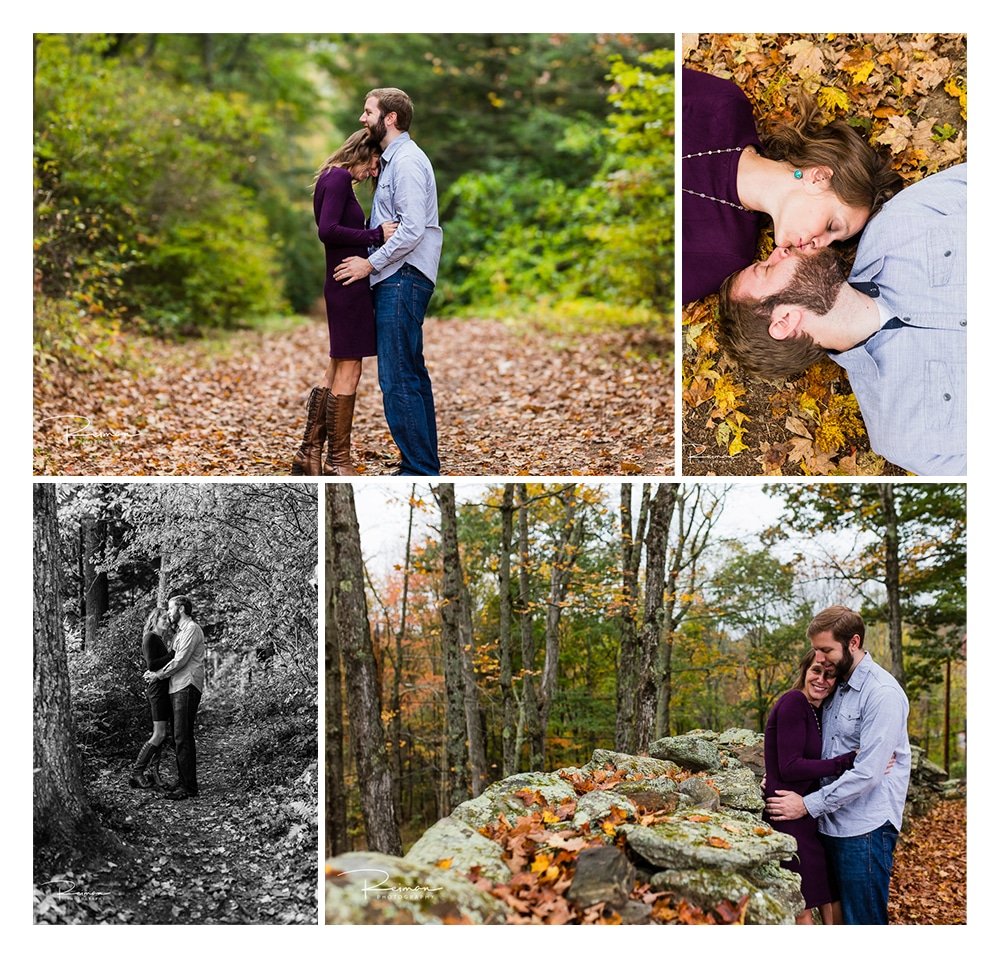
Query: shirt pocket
{"x": 946, "y": 257}
{"x": 942, "y": 403}
{"x": 848, "y": 726}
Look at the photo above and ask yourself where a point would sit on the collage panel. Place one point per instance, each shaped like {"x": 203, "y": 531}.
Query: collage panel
{"x": 263, "y": 254}
{"x": 824, "y": 241}
{"x": 644, "y": 704}
{"x": 175, "y": 704}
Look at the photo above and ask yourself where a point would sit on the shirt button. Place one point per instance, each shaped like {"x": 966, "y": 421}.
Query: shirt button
{"x": 947, "y": 397}
{"x": 947, "y": 252}
{"x": 906, "y": 319}
{"x": 962, "y": 322}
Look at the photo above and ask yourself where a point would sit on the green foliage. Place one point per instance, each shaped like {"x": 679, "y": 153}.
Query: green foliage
{"x": 145, "y": 195}
{"x": 517, "y": 237}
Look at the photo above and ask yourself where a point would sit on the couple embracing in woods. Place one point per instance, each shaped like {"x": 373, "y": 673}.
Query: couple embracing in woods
{"x": 837, "y": 759}
{"x": 175, "y": 679}
{"x": 379, "y": 281}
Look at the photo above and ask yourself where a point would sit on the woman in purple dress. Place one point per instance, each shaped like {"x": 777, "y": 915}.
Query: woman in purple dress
{"x": 793, "y": 745}
{"x": 349, "y": 311}
{"x": 819, "y": 184}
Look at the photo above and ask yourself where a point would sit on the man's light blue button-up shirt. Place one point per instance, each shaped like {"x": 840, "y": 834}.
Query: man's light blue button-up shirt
{"x": 867, "y": 714}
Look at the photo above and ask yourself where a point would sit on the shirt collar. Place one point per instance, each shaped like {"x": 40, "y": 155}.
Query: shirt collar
{"x": 391, "y": 149}
{"x": 858, "y": 676}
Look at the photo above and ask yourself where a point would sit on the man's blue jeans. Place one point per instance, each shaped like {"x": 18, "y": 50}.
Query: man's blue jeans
{"x": 400, "y": 303}
{"x": 863, "y": 865}
{"x": 185, "y": 706}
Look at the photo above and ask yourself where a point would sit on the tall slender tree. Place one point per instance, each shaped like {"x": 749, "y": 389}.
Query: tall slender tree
{"x": 349, "y": 613}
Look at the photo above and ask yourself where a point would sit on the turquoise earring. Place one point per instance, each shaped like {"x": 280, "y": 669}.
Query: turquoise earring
{"x": 797, "y": 174}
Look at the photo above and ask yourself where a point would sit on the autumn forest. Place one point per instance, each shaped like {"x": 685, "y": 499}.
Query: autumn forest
{"x": 475, "y": 631}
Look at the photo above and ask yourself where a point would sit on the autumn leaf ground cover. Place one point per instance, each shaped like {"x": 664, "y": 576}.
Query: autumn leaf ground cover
{"x": 234, "y": 855}
{"x": 511, "y": 400}
{"x": 907, "y": 93}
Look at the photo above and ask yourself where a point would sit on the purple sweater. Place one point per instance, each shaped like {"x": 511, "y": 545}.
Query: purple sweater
{"x": 716, "y": 239}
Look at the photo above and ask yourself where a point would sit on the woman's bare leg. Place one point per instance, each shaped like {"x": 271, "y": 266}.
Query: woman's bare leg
{"x": 344, "y": 376}
{"x": 159, "y": 733}
{"x": 836, "y": 914}
{"x": 328, "y": 377}
{"x": 804, "y": 917}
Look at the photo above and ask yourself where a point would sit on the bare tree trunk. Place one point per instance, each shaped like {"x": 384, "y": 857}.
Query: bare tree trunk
{"x": 336, "y": 791}
{"x": 509, "y": 733}
{"x": 478, "y": 775}
{"x": 349, "y": 612}
{"x": 529, "y": 696}
{"x": 891, "y": 542}
{"x": 628, "y": 647}
{"x": 660, "y": 511}
{"x": 563, "y": 563}
{"x": 397, "y": 672}
{"x": 60, "y": 810}
{"x": 95, "y": 582}
{"x": 454, "y": 684}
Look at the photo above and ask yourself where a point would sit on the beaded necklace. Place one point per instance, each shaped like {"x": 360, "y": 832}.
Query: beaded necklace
{"x": 708, "y": 196}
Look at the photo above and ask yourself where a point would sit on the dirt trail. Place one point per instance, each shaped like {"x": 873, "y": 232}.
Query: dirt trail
{"x": 229, "y": 856}
{"x": 507, "y": 404}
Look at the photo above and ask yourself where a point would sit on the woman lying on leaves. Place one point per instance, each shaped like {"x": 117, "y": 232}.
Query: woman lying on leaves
{"x": 818, "y": 184}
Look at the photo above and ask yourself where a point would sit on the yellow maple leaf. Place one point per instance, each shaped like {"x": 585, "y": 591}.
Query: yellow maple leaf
{"x": 541, "y": 864}
{"x": 444, "y": 862}
{"x": 956, "y": 87}
{"x": 833, "y": 99}
{"x": 861, "y": 73}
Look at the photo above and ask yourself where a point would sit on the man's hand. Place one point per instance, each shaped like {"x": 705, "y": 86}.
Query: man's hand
{"x": 786, "y": 806}
{"x": 149, "y": 676}
{"x": 352, "y": 269}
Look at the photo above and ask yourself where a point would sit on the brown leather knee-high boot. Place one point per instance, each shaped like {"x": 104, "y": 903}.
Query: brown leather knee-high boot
{"x": 339, "y": 419}
{"x": 308, "y": 460}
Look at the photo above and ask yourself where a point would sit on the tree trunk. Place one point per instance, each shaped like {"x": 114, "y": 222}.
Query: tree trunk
{"x": 509, "y": 706}
{"x": 95, "y": 583}
{"x": 529, "y": 695}
{"x": 628, "y": 648}
{"x": 660, "y": 511}
{"x": 891, "y": 542}
{"x": 456, "y": 730}
{"x": 349, "y": 612}
{"x": 478, "y": 775}
{"x": 396, "y": 727}
{"x": 563, "y": 562}
{"x": 336, "y": 791}
{"x": 60, "y": 811}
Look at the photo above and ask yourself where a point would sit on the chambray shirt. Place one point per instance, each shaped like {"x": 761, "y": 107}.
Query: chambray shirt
{"x": 866, "y": 713}
{"x": 187, "y": 667}
{"x": 910, "y": 376}
{"x": 407, "y": 194}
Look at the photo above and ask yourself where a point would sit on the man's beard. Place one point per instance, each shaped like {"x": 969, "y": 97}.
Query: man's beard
{"x": 843, "y": 667}
{"x": 816, "y": 284}
{"x": 377, "y": 133}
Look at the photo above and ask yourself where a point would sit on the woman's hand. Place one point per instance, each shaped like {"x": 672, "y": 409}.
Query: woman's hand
{"x": 892, "y": 761}
{"x": 387, "y": 230}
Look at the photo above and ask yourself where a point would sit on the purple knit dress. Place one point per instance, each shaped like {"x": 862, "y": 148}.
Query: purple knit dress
{"x": 793, "y": 745}
{"x": 717, "y": 239}
{"x": 340, "y": 221}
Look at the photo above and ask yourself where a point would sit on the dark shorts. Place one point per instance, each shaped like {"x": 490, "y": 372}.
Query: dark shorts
{"x": 158, "y": 696}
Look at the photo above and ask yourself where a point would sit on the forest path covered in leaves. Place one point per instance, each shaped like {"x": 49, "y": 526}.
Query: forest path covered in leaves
{"x": 232, "y": 855}
{"x": 929, "y": 879}
{"x": 508, "y": 403}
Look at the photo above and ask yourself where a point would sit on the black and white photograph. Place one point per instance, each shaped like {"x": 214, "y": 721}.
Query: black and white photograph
{"x": 175, "y": 703}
